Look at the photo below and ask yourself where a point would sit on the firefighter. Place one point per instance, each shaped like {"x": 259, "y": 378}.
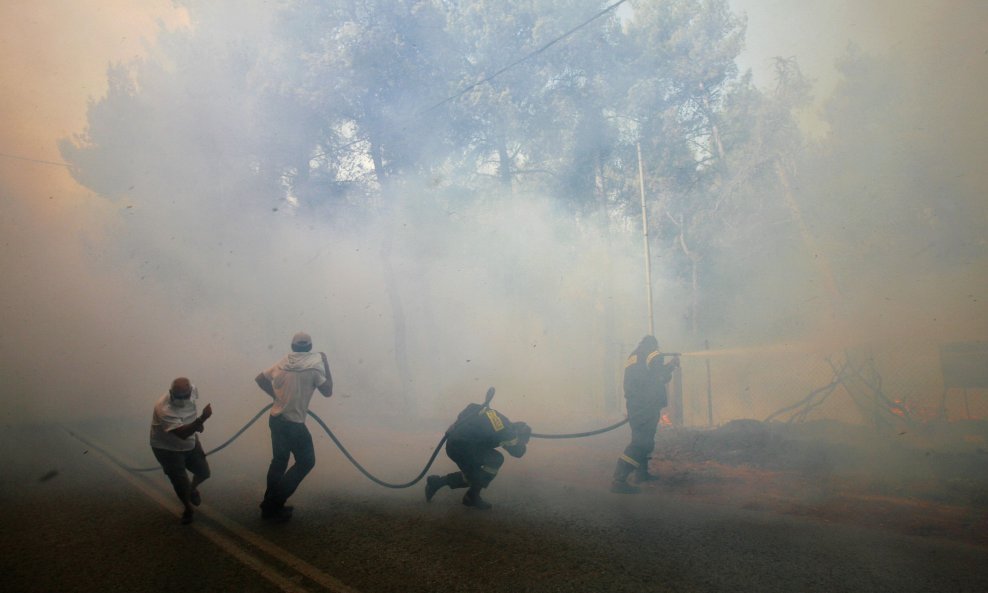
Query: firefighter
{"x": 645, "y": 377}
{"x": 472, "y": 442}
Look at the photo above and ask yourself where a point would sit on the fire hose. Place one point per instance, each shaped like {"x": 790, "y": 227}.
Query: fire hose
{"x": 367, "y": 474}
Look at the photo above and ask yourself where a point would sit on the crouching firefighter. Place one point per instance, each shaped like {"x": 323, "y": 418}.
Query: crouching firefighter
{"x": 645, "y": 377}
{"x": 471, "y": 443}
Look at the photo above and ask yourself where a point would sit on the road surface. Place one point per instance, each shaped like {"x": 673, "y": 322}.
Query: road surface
{"x": 74, "y": 521}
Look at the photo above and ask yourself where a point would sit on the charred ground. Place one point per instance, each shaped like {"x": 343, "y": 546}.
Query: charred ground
{"x": 931, "y": 481}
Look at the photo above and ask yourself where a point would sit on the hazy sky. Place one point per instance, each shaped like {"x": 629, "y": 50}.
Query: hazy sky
{"x": 54, "y": 54}
{"x": 817, "y": 33}
{"x": 53, "y": 60}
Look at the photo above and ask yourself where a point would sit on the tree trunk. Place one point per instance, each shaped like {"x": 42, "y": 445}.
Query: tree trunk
{"x": 694, "y": 275}
{"x": 695, "y": 295}
{"x": 398, "y": 321}
{"x": 610, "y": 360}
{"x": 391, "y": 285}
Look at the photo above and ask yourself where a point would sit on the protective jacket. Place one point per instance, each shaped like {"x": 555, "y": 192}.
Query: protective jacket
{"x": 645, "y": 379}
{"x": 484, "y": 428}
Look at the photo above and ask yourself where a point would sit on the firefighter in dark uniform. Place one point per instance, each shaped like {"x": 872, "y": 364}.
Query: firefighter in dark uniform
{"x": 645, "y": 377}
{"x": 472, "y": 442}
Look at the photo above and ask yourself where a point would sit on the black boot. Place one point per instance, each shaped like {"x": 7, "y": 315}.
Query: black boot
{"x": 273, "y": 511}
{"x": 472, "y": 499}
{"x": 620, "y": 483}
{"x": 432, "y": 485}
{"x": 642, "y": 475}
{"x": 456, "y": 480}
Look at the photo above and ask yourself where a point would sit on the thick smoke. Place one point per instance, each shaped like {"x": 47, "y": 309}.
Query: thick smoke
{"x": 105, "y": 301}
{"x": 882, "y": 258}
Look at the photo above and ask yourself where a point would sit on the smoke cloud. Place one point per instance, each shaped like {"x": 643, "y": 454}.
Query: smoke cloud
{"x": 105, "y": 301}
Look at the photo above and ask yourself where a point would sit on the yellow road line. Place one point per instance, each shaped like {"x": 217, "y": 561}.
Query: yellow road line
{"x": 229, "y": 545}
{"x": 299, "y": 565}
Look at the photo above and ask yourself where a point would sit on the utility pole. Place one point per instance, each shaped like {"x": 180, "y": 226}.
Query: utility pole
{"x": 648, "y": 253}
{"x": 710, "y": 395}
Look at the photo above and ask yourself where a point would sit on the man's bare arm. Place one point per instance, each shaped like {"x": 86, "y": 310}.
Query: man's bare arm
{"x": 187, "y": 430}
{"x": 326, "y": 388}
{"x": 265, "y": 384}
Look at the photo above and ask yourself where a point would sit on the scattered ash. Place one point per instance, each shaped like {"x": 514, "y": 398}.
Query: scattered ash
{"x": 940, "y": 462}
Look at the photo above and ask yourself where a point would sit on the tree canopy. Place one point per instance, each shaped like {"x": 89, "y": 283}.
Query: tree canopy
{"x": 347, "y": 110}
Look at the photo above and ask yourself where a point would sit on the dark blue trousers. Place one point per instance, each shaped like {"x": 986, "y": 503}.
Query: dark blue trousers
{"x": 287, "y": 439}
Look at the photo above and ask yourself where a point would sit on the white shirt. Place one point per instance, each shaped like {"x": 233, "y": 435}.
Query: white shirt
{"x": 294, "y": 378}
{"x": 168, "y": 415}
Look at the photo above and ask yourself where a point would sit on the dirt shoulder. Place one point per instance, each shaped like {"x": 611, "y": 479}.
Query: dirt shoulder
{"x": 929, "y": 483}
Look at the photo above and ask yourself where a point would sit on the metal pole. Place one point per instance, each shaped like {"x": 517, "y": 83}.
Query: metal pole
{"x": 710, "y": 397}
{"x": 648, "y": 253}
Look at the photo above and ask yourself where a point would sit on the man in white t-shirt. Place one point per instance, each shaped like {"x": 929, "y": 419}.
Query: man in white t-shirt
{"x": 291, "y": 382}
{"x": 176, "y": 446}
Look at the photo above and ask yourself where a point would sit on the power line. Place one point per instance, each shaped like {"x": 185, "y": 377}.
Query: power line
{"x": 468, "y": 88}
{"x": 30, "y": 160}
{"x": 465, "y": 90}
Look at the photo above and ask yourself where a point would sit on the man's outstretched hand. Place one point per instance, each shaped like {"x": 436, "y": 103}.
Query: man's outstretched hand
{"x": 206, "y": 413}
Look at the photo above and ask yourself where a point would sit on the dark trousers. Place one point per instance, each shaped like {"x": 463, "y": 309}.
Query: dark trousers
{"x": 287, "y": 439}
{"x": 643, "y": 418}
{"x": 176, "y": 463}
{"x": 479, "y": 464}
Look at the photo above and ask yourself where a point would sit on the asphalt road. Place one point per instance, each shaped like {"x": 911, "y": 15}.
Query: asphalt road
{"x": 73, "y": 520}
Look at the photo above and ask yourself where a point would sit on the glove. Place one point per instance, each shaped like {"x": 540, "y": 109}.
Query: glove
{"x": 523, "y": 431}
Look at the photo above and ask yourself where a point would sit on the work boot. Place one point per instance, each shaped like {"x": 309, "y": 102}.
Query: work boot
{"x": 432, "y": 485}
{"x": 641, "y": 472}
{"x": 622, "y": 470}
{"x": 195, "y": 498}
{"x": 280, "y": 514}
{"x": 472, "y": 499}
{"x": 620, "y": 484}
{"x": 455, "y": 480}
{"x": 622, "y": 487}
{"x": 187, "y": 516}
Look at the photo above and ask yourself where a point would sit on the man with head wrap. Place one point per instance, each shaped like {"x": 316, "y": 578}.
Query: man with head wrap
{"x": 174, "y": 424}
{"x": 645, "y": 379}
{"x": 471, "y": 442}
{"x": 291, "y": 382}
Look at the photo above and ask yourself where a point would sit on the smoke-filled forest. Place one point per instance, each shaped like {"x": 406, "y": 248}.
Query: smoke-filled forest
{"x": 451, "y": 195}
